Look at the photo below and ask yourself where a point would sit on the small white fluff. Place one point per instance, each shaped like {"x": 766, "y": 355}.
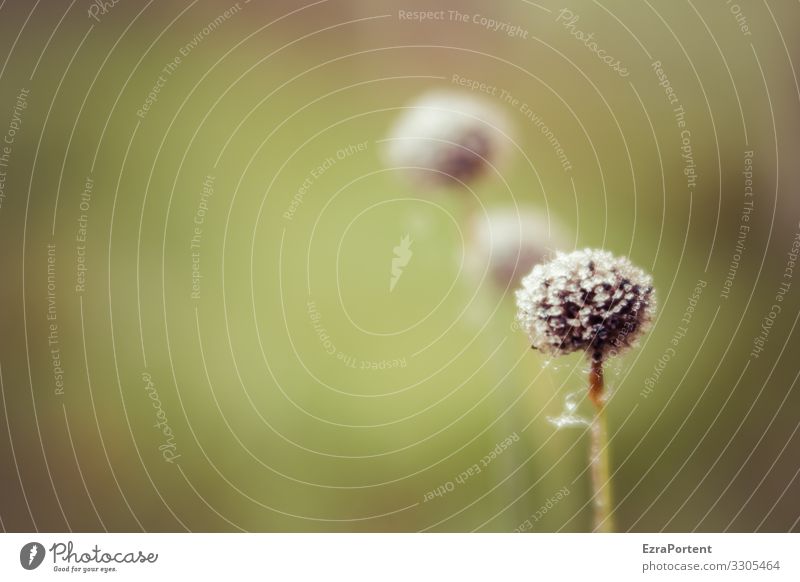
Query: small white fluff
{"x": 445, "y": 136}
{"x": 587, "y": 300}
{"x": 509, "y": 241}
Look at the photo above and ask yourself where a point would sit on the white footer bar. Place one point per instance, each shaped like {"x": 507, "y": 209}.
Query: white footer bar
{"x": 406, "y": 557}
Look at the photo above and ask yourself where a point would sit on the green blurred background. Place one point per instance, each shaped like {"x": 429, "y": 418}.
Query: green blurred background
{"x": 264, "y": 371}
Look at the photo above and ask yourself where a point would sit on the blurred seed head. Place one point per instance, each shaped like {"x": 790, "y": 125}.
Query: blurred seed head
{"x": 509, "y": 241}
{"x": 586, "y": 300}
{"x": 445, "y": 136}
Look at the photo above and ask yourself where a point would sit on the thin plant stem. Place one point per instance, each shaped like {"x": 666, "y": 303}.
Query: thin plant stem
{"x": 494, "y": 335}
{"x": 599, "y": 453}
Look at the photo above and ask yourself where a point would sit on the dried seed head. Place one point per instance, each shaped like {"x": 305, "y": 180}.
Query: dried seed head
{"x": 445, "y": 136}
{"x": 588, "y": 301}
{"x": 510, "y": 241}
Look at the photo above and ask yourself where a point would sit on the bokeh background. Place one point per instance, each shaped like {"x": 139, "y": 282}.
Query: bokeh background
{"x": 299, "y": 393}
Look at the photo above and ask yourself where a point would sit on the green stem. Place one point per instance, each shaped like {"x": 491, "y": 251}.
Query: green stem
{"x": 599, "y": 453}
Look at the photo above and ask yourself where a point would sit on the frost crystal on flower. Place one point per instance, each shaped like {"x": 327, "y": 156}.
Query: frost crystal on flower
{"x": 446, "y": 135}
{"x": 510, "y": 241}
{"x": 588, "y": 301}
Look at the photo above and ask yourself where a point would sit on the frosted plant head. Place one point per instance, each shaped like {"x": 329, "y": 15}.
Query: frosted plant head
{"x": 445, "y": 136}
{"x": 509, "y": 241}
{"x": 587, "y": 301}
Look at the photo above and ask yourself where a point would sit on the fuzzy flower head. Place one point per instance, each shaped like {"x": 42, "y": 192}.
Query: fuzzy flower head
{"x": 445, "y": 136}
{"x": 587, "y": 300}
{"x": 509, "y": 241}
